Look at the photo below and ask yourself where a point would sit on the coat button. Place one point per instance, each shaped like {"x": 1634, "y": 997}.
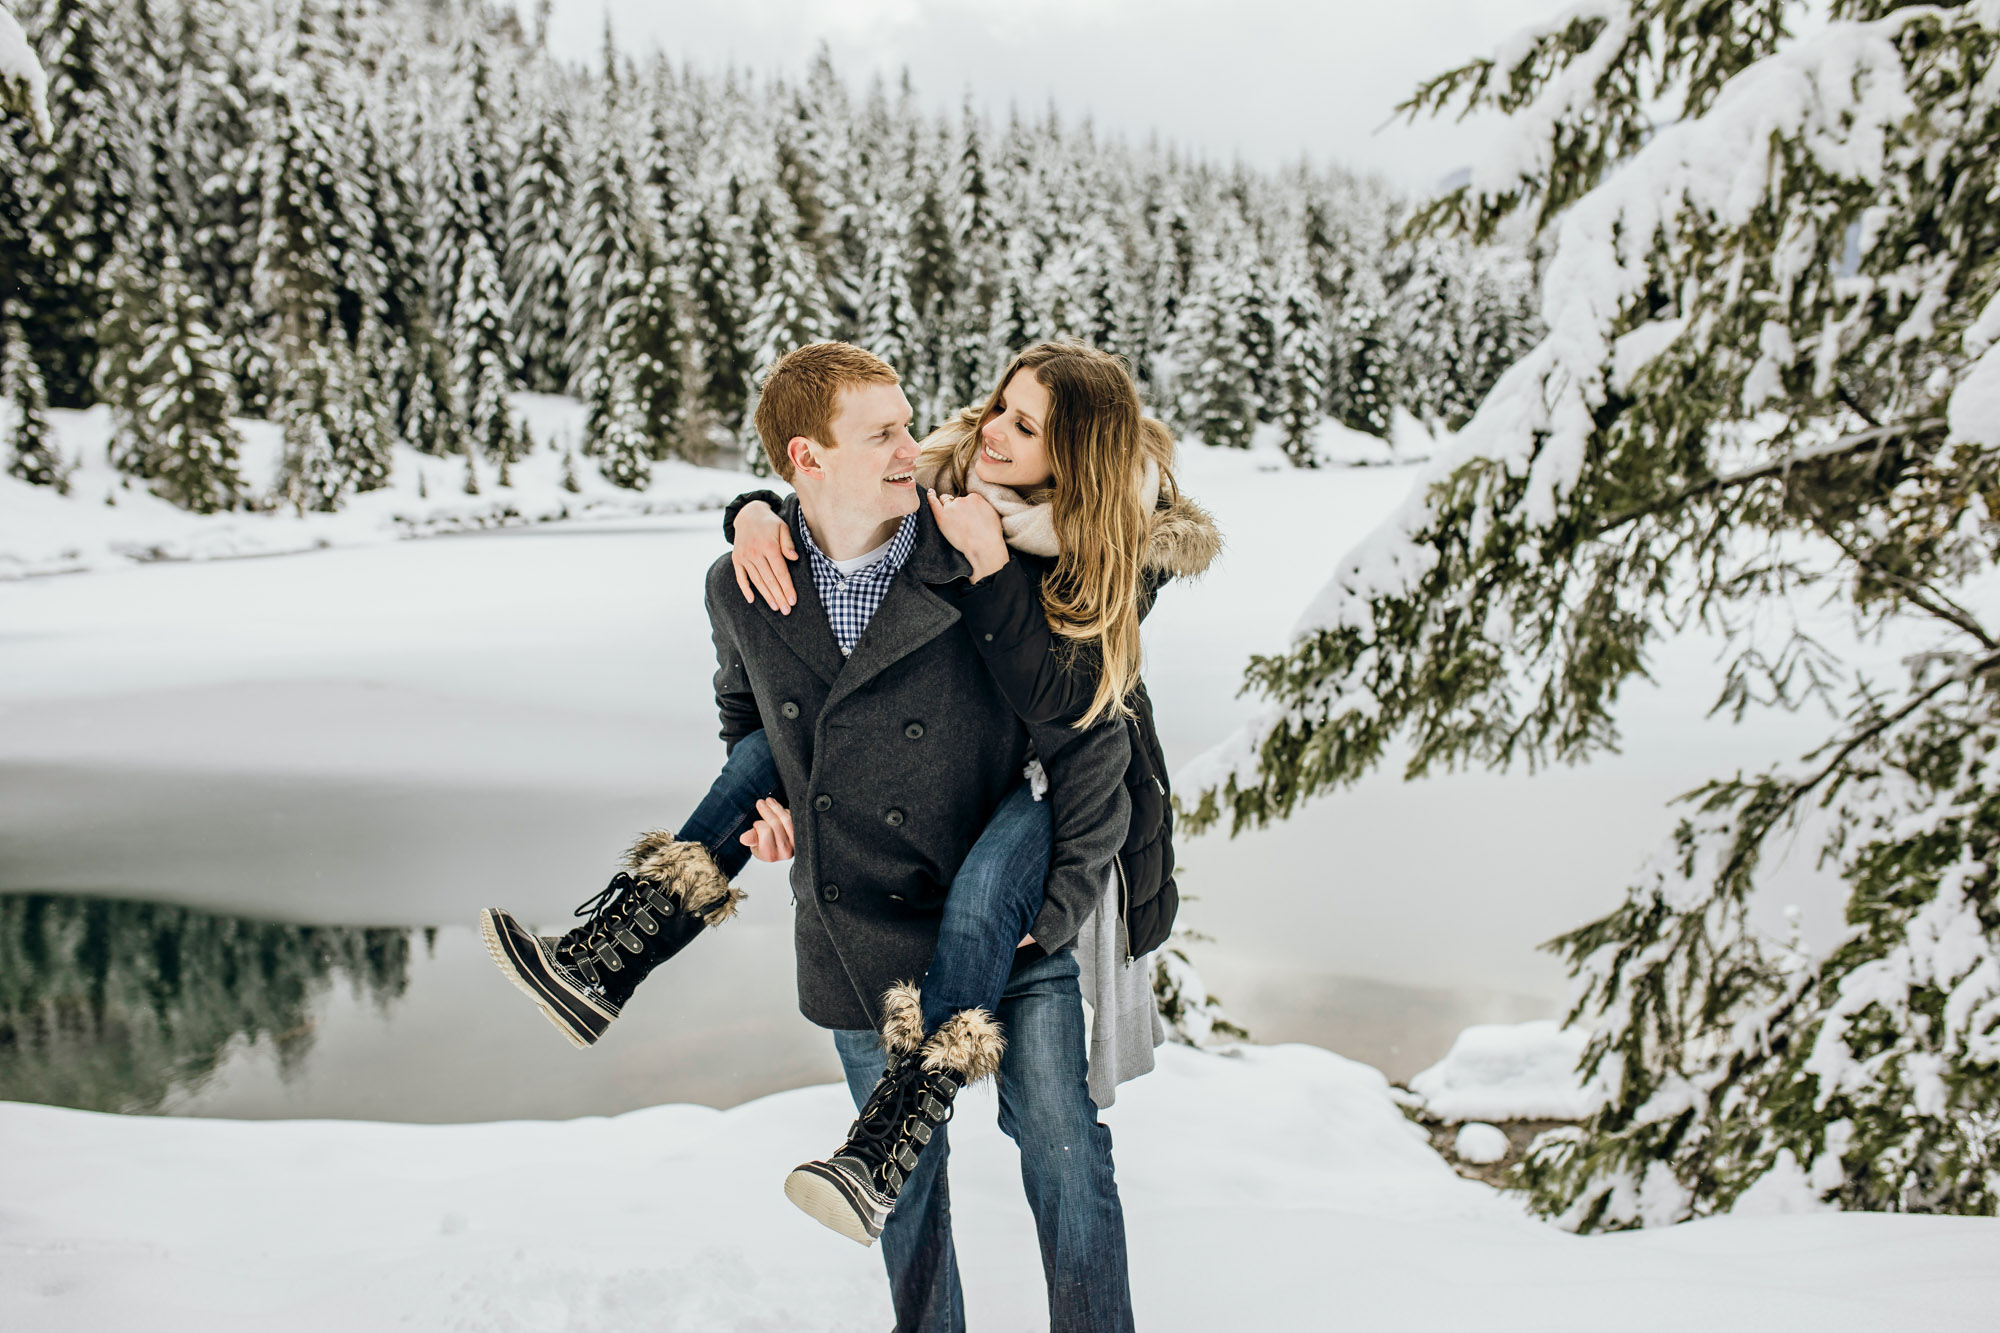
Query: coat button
{"x": 989, "y": 638}
{"x": 831, "y": 893}
{"x": 914, "y": 731}
{"x": 789, "y": 709}
{"x": 895, "y": 818}
{"x": 822, "y": 802}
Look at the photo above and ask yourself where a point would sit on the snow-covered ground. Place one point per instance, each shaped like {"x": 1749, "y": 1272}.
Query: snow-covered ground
{"x": 1269, "y": 1188}
{"x": 107, "y": 520}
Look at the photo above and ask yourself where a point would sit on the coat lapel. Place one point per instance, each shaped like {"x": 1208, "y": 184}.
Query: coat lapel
{"x": 911, "y": 615}
{"x": 806, "y": 630}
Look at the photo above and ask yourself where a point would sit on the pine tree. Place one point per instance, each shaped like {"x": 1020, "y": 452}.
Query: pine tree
{"x": 182, "y": 414}
{"x": 1733, "y": 416}
{"x": 791, "y": 311}
{"x": 1427, "y": 329}
{"x": 1302, "y": 362}
{"x": 720, "y": 308}
{"x": 81, "y": 193}
{"x": 24, "y": 87}
{"x": 1216, "y": 384}
{"x": 601, "y": 250}
{"x": 616, "y": 430}
{"x": 31, "y": 451}
{"x": 537, "y": 267}
{"x": 482, "y": 362}
{"x": 1360, "y": 387}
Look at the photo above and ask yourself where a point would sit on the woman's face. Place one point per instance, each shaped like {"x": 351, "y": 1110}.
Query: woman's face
{"x": 1012, "y": 447}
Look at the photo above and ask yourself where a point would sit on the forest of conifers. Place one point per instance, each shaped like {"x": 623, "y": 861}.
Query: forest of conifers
{"x": 372, "y": 221}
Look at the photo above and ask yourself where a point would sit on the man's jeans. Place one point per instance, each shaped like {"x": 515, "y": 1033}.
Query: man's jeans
{"x": 1045, "y": 1108}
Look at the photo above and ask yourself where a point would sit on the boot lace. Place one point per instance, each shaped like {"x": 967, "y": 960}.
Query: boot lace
{"x": 908, "y": 1107}
{"x": 609, "y": 919}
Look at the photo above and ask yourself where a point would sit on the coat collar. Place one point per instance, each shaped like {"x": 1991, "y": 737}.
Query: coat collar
{"x": 806, "y": 630}
{"x": 910, "y": 616}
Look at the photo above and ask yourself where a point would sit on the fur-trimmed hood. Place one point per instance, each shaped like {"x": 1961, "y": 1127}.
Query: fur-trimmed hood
{"x": 1184, "y": 541}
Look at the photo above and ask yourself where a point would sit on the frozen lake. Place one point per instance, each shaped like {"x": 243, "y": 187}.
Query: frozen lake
{"x": 398, "y": 735}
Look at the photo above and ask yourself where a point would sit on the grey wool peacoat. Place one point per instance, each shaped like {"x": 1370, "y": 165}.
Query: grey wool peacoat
{"x": 892, "y": 761}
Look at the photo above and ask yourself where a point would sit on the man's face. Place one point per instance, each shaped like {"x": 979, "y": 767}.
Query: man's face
{"x": 870, "y": 473}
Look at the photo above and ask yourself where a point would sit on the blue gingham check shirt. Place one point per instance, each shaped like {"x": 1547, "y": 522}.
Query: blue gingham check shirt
{"x": 851, "y": 600}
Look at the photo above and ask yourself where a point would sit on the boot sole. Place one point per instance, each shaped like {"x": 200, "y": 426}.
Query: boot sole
{"x": 575, "y": 1016}
{"x": 829, "y": 1197}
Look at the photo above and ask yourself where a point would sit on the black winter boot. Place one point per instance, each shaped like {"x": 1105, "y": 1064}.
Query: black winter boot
{"x": 647, "y": 914}
{"x": 855, "y": 1190}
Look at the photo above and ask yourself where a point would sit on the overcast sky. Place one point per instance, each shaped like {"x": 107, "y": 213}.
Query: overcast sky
{"x": 1268, "y": 80}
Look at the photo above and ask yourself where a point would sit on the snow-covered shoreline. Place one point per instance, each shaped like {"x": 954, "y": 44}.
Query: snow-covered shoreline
{"x": 108, "y": 521}
{"x": 1269, "y": 1187}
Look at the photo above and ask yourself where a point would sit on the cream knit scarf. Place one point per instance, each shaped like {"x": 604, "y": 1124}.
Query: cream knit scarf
{"x": 1031, "y": 527}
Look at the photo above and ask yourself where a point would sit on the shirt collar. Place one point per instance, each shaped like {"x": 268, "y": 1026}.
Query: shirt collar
{"x": 892, "y": 559}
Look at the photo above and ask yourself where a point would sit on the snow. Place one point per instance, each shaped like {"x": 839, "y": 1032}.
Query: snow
{"x": 1480, "y": 1143}
{"x": 1974, "y": 412}
{"x": 107, "y": 521}
{"x": 1273, "y": 1187}
{"x": 1517, "y": 1071}
{"x": 20, "y": 70}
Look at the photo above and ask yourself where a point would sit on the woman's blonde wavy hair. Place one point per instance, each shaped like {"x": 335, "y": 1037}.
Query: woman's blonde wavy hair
{"x": 1098, "y": 444}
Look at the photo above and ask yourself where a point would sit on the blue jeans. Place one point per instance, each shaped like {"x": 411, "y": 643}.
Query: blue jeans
{"x": 1045, "y": 1108}
{"x": 731, "y": 804}
{"x": 994, "y": 898}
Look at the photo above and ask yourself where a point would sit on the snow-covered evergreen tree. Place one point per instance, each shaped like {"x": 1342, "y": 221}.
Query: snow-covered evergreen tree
{"x": 1216, "y": 378}
{"x": 537, "y": 267}
{"x": 182, "y": 414}
{"x": 1302, "y": 363}
{"x": 1736, "y": 414}
{"x": 24, "y": 85}
{"x": 792, "y": 310}
{"x": 30, "y": 446}
{"x": 482, "y": 362}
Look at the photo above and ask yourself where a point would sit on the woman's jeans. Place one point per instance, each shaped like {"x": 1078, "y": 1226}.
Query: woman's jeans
{"x": 994, "y": 898}
{"x": 748, "y": 775}
{"x": 1045, "y": 1108}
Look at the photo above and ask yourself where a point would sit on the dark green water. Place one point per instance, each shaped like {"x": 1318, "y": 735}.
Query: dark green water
{"x": 112, "y": 1005}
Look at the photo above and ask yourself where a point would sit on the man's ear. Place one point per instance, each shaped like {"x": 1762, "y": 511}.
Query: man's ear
{"x": 800, "y": 450}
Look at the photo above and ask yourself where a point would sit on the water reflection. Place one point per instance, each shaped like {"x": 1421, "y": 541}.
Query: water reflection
{"x": 133, "y": 1006}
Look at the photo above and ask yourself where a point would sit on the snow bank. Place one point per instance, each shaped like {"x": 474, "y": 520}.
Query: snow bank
{"x": 1509, "y": 1071}
{"x": 1277, "y": 1187}
{"x": 108, "y": 520}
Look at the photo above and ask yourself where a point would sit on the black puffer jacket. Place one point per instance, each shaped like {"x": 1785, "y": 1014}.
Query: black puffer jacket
{"x": 1050, "y": 681}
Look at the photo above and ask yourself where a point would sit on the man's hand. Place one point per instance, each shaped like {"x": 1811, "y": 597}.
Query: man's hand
{"x": 763, "y": 545}
{"x": 973, "y": 526}
{"x": 770, "y": 838}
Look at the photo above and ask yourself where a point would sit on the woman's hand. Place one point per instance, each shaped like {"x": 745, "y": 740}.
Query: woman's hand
{"x": 973, "y": 526}
{"x": 770, "y": 838}
{"x": 763, "y": 545}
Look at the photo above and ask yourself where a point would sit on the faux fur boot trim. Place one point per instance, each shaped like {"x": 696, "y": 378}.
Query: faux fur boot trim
{"x": 969, "y": 1044}
{"x": 686, "y": 873}
{"x": 902, "y": 1018}
{"x": 1184, "y": 541}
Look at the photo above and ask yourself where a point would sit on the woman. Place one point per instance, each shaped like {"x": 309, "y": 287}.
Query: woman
{"x": 1064, "y": 504}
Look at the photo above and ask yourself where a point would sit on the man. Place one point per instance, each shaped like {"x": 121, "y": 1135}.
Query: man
{"x": 894, "y": 747}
